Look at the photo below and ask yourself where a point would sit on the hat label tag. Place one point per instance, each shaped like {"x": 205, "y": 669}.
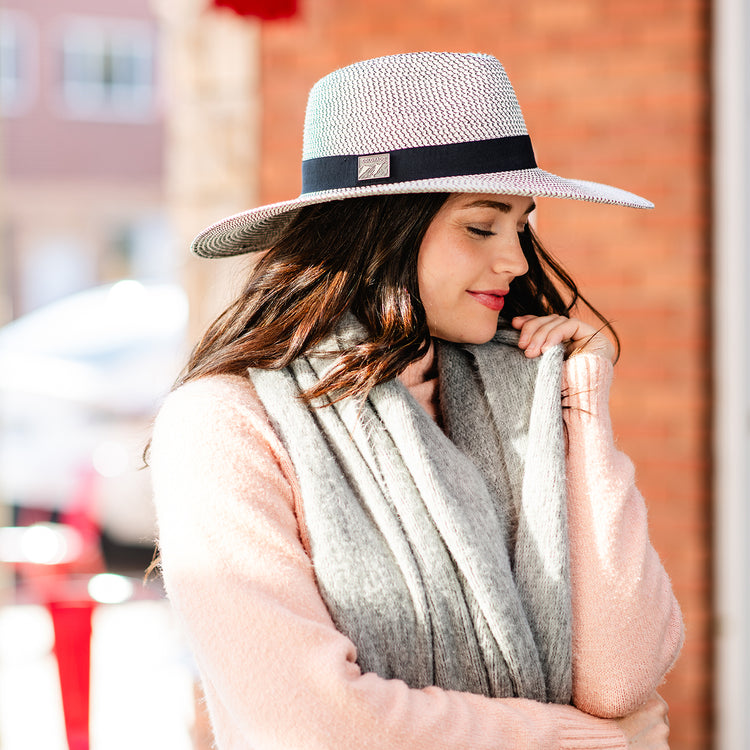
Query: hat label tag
{"x": 373, "y": 167}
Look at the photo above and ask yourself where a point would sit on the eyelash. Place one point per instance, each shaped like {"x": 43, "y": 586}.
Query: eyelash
{"x": 485, "y": 233}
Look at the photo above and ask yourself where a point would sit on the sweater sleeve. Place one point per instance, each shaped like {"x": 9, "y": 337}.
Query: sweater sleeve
{"x": 627, "y": 625}
{"x": 276, "y": 672}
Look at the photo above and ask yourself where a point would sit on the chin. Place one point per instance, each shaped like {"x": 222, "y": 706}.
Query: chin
{"x": 481, "y": 333}
{"x": 476, "y": 336}
{"x": 480, "y": 339}
{"x": 465, "y": 329}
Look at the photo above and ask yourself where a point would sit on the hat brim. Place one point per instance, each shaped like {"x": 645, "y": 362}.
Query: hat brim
{"x": 258, "y": 228}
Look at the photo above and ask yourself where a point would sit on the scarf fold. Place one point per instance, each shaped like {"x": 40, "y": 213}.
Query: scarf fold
{"x": 442, "y": 555}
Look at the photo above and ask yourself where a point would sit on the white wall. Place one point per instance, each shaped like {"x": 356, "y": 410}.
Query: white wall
{"x": 731, "y": 329}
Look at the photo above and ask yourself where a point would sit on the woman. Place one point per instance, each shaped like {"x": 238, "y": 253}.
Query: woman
{"x": 380, "y": 524}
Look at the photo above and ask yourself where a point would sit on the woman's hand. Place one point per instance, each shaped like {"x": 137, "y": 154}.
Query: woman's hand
{"x": 648, "y": 727}
{"x": 539, "y": 333}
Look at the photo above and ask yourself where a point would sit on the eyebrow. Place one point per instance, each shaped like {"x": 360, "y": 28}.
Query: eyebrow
{"x": 499, "y": 205}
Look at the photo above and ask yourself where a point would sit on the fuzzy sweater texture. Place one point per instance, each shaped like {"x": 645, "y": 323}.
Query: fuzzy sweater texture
{"x": 277, "y": 673}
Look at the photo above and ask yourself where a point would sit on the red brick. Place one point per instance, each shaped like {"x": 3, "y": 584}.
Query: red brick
{"x": 612, "y": 91}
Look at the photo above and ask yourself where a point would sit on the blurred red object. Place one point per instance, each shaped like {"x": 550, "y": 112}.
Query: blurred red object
{"x": 267, "y": 10}
{"x": 72, "y": 624}
{"x": 46, "y": 558}
{"x": 54, "y": 563}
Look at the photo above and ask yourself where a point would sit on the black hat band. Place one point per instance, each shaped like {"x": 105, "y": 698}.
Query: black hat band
{"x": 419, "y": 163}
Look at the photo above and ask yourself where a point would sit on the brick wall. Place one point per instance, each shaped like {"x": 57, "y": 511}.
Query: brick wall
{"x": 612, "y": 91}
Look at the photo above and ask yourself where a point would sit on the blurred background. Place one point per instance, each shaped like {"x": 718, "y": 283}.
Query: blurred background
{"x": 128, "y": 125}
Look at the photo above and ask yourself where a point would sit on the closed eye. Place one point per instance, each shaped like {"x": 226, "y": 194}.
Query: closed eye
{"x": 481, "y": 232}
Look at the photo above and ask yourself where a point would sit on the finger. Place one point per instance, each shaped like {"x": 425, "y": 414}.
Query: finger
{"x": 533, "y": 323}
{"x": 548, "y": 336}
{"x": 658, "y": 709}
{"x": 539, "y": 333}
{"x": 577, "y": 336}
{"x": 543, "y": 333}
{"x": 661, "y": 707}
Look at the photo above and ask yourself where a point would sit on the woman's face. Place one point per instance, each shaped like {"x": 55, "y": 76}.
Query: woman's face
{"x": 468, "y": 257}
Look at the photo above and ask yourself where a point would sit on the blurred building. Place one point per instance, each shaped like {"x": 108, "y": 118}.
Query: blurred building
{"x": 82, "y": 149}
{"x": 81, "y": 204}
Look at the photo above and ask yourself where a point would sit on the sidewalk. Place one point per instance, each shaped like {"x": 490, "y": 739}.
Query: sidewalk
{"x": 141, "y": 680}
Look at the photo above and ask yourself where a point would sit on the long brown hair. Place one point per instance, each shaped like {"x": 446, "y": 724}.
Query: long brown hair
{"x": 358, "y": 255}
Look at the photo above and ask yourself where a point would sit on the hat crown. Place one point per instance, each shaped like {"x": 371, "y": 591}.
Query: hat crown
{"x": 410, "y": 100}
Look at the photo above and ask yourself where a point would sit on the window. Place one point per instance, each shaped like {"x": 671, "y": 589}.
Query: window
{"x": 108, "y": 69}
{"x": 17, "y": 62}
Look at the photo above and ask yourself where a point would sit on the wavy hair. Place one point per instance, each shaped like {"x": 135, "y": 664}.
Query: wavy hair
{"x": 358, "y": 255}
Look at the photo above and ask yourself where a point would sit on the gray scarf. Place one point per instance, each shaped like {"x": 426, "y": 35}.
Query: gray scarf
{"x": 444, "y": 557}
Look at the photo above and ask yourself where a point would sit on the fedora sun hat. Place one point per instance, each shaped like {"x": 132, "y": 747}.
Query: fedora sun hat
{"x": 425, "y": 122}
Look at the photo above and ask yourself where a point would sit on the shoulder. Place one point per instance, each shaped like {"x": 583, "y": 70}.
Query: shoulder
{"x": 217, "y": 391}
{"x": 214, "y": 447}
{"x": 211, "y": 403}
{"x": 215, "y": 419}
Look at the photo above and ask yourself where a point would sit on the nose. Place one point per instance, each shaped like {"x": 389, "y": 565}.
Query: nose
{"x": 509, "y": 257}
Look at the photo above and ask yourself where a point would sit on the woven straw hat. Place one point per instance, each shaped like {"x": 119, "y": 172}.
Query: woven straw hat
{"x": 427, "y": 122}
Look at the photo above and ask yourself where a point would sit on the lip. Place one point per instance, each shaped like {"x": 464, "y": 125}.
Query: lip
{"x": 494, "y": 299}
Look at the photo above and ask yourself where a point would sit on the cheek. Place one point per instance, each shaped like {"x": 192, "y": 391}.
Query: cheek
{"x": 436, "y": 284}
{"x": 441, "y": 264}
{"x": 426, "y": 279}
{"x": 425, "y": 276}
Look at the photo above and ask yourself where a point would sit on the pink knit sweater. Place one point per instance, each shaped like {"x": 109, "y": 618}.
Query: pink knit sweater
{"x": 276, "y": 672}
